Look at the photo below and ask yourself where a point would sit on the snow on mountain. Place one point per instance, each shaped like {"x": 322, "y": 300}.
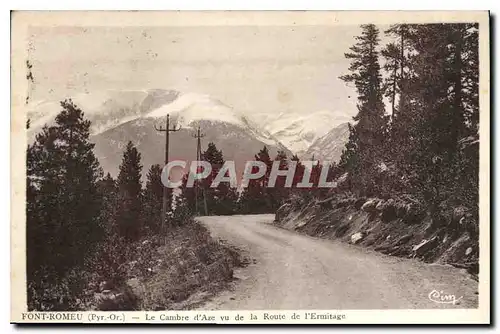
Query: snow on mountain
{"x": 298, "y": 132}
{"x": 330, "y": 146}
{"x": 191, "y": 107}
{"x": 121, "y": 116}
{"x": 105, "y": 110}
{"x": 110, "y": 109}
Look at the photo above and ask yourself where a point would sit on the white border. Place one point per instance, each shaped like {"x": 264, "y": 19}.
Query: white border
{"x": 145, "y": 4}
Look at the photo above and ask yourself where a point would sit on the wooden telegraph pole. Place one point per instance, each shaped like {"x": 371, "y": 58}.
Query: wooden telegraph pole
{"x": 198, "y": 137}
{"x": 166, "y": 191}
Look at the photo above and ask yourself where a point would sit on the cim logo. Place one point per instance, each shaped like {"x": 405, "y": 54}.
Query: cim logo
{"x": 442, "y": 298}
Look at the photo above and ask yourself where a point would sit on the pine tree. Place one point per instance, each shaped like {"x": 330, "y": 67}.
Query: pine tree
{"x": 431, "y": 150}
{"x": 63, "y": 203}
{"x": 365, "y": 148}
{"x": 445, "y": 54}
{"x": 392, "y": 55}
{"x": 279, "y": 193}
{"x": 108, "y": 192}
{"x": 255, "y": 197}
{"x": 396, "y": 66}
{"x": 188, "y": 196}
{"x": 182, "y": 212}
{"x": 467, "y": 169}
{"x": 299, "y": 171}
{"x": 222, "y": 199}
{"x": 129, "y": 194}
{"x": 153, "y": 199}
{"x": 470, "y": 72}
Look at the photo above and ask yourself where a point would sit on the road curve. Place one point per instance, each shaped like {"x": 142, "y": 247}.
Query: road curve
{"x": 288, "y": 271}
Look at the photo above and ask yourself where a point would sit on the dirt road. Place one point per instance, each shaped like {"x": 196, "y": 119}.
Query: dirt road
{"x": 288, "y": 270}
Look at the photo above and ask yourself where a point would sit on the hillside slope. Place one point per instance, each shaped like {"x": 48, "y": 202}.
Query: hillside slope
{"x": 329, "y": 147}
{"x": 399, "y": 227}
{"x": 299, "y": 131}
{"x": 121, "y": 116}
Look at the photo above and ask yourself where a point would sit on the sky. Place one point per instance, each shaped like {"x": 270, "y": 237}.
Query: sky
{"x": 260, "y": 70}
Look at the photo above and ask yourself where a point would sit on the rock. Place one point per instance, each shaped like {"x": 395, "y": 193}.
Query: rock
{"x": 281, "y": 212}
{"x": 380, "y": 205}
{"x": 425, "y": 246}
{"x": 370, "y": 206}
{"x": 300, "y": 223}
{"x": 114, "y": 300}
{"x": 383, "y": 205}
{"x": 356, "y": 237}
{"x": 359, "y": 203}
{"x": 414, "y": 213}
{"x": 407, "y": 208}
{"x": 389, "y": 211}
{"x": 468, "y": 251}
{"x": 404, "y": 239}
{"x": 325, "y": 203}
{"x": 416, "y": 247}
{"x": 342, "y": 230}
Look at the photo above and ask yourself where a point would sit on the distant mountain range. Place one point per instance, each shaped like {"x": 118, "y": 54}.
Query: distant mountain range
{"x": 120, "y": 116}
{"x": 330, "y": 146}
{"x": 298, "y": 131}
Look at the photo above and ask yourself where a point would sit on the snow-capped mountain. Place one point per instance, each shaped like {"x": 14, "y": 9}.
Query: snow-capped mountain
{"x": 298, "y": 132}
{"x": 330, "y": 146}
{"x": 105, "y": 110}
{"x": 121, "y": 116}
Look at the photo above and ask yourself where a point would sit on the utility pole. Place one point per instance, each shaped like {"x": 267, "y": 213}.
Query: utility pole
{"x": 166, "y": 191}
{"x": 198, "y": 137}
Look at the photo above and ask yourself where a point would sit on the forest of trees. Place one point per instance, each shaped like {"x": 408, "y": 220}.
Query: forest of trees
{"x": 82, "y": 224}
{"x": 426, "y": 144}
{"x": 227, "y": 198}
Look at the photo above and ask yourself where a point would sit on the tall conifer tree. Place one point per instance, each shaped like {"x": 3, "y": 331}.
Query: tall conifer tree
{"x": 129, "y": 194}
{"x": 365, "y": 148}
{"x": 63, "y": 203}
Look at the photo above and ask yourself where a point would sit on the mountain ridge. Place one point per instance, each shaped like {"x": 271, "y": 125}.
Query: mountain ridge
{"x": 120, "y": 116}
{"x": 330, "y": 146}
{"x": 299, "y": 131}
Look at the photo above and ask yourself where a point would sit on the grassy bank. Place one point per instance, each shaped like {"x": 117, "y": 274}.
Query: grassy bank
{"x": 177, "y": 270}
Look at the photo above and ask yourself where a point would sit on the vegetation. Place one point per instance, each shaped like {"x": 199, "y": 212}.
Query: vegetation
{"x": 408, "y": 176}
{"x": 94, "y": 242}
{"x": 63, "y": 207}
{"x": 427, "y": 144}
